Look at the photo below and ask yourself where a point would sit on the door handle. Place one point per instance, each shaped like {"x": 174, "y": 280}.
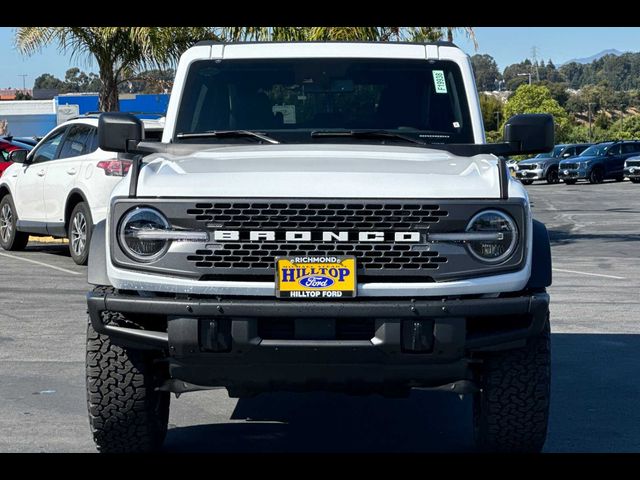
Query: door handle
{"x": 41, "y": 173}
{"x": 71, "y": 171}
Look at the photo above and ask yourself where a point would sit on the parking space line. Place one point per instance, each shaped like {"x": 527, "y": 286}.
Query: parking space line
{"x": 40, "y": 263}
{"x": 587, "y": 273}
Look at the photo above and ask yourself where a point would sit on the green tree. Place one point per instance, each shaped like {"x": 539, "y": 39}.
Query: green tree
{"x": 48, "y": 81}
{"x": 492, "y": 111}
{"x": 538, "y": 99}
{"x": 485, "y": 70}
{"x": 20, "y": 95}
{"x": 118, "y": 51}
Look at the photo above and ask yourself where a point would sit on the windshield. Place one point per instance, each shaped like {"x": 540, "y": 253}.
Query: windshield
{"x": 287, "y": 99}
{"x": 555, "y": 153}
{"x": 595, "y": 150}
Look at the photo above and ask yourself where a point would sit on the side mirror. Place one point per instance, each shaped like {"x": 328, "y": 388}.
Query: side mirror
{"x": 530, "y": 133}
{"x": 18, "y": 156}
{"x": 119, "y": 132}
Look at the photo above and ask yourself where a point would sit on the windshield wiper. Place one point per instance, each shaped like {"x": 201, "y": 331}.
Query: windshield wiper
{"x": 228, "y": 134}
{"x": 364, "y": 134}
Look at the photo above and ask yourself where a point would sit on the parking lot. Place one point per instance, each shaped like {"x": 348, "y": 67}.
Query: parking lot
{"x": 595, "y": 311}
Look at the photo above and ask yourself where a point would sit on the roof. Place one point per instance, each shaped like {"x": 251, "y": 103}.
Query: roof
{"x": 439, "y": 43}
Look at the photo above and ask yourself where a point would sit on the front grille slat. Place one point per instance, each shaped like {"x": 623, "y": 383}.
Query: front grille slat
{"x": 372, "y": 258}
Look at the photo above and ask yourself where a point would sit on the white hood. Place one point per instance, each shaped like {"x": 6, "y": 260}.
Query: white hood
{"x": 330, "y": 171}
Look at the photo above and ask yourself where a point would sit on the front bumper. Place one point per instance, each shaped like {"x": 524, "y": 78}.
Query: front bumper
{"x": 632, "y": 172}
{"x": 537, "y": 174}
{"x": 412, "y": 343}
{"x": 572, "y": 174}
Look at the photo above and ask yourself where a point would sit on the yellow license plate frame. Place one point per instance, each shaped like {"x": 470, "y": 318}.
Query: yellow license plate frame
{"x": 309, "y": 277}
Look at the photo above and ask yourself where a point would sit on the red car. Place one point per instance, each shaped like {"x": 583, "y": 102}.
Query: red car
{"x": 6, "y": 147}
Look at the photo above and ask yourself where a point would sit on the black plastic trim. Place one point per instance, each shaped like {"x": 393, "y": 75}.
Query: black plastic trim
{"x": 541, "y": 270}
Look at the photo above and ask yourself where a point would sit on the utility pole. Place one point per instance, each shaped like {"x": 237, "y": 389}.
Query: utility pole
{"x": 589, "y": 106}
{"x": 24, "y": 76}
{"x": 534, "y": 55}
{"x": 526, "y": 75}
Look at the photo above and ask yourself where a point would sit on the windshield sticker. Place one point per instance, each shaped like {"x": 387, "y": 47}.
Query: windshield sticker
{"x": 288, "y": 113}
{"x": 439, "y": 82}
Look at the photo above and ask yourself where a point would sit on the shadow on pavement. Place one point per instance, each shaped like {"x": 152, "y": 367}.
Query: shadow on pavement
{"x": 594, "y": 408}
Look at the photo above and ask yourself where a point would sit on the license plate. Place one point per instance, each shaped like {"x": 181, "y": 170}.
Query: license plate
{"x": 316, "y": 278}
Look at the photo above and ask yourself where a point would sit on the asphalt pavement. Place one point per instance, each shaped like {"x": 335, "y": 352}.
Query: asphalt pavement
{"x": 595, "y": 311}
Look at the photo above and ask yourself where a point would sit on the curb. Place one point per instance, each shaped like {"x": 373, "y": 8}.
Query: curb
{"x": 59, "y": 241}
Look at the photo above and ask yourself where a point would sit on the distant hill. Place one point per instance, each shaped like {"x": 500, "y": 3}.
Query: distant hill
{"x": 597, "y": 56}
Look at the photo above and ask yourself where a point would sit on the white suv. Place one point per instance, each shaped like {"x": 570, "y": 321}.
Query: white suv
{"x": 61, "y": 188}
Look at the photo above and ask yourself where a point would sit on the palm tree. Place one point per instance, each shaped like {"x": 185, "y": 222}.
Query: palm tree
{"x": 385, "y": 34}
{"x": 118, "y": 51}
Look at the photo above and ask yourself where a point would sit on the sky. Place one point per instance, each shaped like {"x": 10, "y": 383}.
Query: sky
{"x": 506, "y": 44}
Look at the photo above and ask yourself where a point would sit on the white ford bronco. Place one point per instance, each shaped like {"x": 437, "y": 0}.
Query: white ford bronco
{"x": 320, "y": 216}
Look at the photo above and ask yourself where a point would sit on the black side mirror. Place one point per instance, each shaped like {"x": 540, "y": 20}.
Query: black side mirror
{"x": 119, "y": 132}
{"x": 18, "y": 156}
{"x": 530, "y": 133}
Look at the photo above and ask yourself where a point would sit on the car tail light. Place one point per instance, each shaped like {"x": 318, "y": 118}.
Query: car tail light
{"x": 115, "y": 168}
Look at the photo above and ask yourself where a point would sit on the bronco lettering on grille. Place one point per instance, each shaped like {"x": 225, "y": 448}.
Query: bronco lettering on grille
{"x": 310, "y": 236}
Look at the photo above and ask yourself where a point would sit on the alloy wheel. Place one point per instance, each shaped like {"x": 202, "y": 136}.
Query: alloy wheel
{"x": 6, "y": 223}
{"x": 78, "y": 233}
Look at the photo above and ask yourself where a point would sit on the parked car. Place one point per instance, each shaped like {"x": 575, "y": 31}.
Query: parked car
{"x": 632, "y": 169}
{"x": 61, "y": 188}
{"x": 545, "y": 165}
{"x": 599, "y": 162}
{"x": 8, "y": 145}
{"x": 512, "y": 165}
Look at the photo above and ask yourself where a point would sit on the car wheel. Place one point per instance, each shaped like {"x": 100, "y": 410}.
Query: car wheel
{"x": 620, "y": 178}
{"x": 570, "y": 182}
{"x": 79, "y": 233}
{"x": 127, "y": 412}
{"x": 596, "y": 176}
{"x": 552, "y": 176}
{"x": 635, "y": 180}
{"x": 511, "y": 411}
{"x": 10, "y": 238}
{"x": 526, "y": 182}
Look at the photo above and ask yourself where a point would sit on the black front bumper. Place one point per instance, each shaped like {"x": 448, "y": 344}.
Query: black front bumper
{"x": 413, "y": 343}
{"x": 632, "y": 174}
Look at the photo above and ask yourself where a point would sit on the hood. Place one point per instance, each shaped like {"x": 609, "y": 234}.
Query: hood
{"x": 317, "y": 171}
{"x": 578, "y": 159}
{"x": 529, "y": 161}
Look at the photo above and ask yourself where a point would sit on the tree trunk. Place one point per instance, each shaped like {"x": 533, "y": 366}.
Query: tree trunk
{"x": 108, "y": 99}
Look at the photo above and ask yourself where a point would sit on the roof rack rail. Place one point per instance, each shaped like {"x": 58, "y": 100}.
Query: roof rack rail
{"x": 440, "y": 43}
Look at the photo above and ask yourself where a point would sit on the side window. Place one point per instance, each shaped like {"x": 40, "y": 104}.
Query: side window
{"x": 581, "y": 149}
{"x": 628, "y": 148}
{"x": 569, "y": 152}
{"x": 92, "y": 144}
{"x": 614, "y": 150}
{"x": 47, "y": 151}
{"x": 77, "y": 142}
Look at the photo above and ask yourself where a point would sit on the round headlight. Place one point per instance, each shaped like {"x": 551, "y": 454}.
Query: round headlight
{"x": 134, "y": 242}
{"x": 501, "y": 236}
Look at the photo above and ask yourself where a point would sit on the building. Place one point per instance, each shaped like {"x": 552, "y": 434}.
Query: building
{"x": 26, "y": 118}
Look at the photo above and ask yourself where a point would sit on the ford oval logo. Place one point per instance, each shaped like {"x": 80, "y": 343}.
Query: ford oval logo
{"x": 315, "y": 281}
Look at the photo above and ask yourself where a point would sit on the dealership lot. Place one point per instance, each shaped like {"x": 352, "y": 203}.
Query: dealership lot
{"x": 595, "y": 310}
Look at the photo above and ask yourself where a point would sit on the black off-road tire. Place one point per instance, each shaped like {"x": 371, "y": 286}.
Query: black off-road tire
{"x": 552, "y": 176}
{"x": 570, "y": 182}
{"x": 79, "y": 233}
{"x": 620, "y": 178}
{"x": 126, "y": 413}
{"x": 511, "y": 412}
{"x": 596, "y": 176}
{"x": 10, "y": 238}
{"x": 526, "y": 182}
{"x": 635, "y": 180}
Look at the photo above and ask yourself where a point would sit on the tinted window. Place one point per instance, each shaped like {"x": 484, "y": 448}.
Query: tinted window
{"x": 595, "y": 150}
{"x": 77, "y": 142}
{"x": 630, "y": 148}
{"x": 581, "y": 149}
{"x": 614, "y": 150}
{"x": 47, "y": 151}
{"x": 290, "y": 98}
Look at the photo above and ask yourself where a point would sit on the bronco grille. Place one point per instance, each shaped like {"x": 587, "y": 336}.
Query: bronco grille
{"x": 371, "y": 257}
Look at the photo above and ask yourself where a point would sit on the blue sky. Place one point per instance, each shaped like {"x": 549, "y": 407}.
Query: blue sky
{"x": 506, "y": 44}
